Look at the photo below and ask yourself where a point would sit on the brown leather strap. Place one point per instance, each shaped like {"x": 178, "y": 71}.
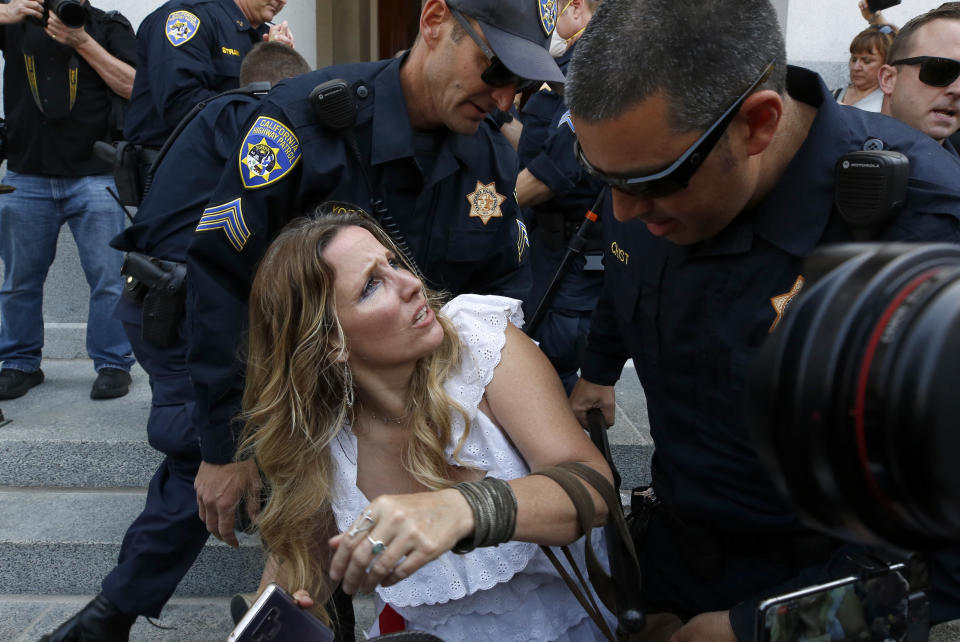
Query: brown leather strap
{"x": 566, "y": 476}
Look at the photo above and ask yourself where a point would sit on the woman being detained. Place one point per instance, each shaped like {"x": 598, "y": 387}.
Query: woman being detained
{"x": 366, "y": 403}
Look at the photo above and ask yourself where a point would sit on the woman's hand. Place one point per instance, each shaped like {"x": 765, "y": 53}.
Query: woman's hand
{"x": 303, "y": 599}
{"x": 413, "y": 529}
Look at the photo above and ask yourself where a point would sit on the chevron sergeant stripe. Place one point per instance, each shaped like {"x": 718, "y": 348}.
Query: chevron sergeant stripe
{"x": 229, "y": 218}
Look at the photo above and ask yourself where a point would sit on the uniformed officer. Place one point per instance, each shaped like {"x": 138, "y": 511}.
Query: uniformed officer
{"x": 446, "y": 180}
{"x": 721, "y": 161}
{"x": 162, "y": 543}
{"x": 191, "y": 50}
{"x": 59, "y": 87}
{"x": 559, "y": 192}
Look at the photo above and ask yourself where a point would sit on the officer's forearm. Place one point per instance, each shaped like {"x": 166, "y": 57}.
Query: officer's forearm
{"x": 531, "y": 190}
{"x": 116, "y": 73}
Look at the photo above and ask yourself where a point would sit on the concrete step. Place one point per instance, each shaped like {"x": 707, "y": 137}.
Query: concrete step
{"x": 24, "y": 618}
{"x": 59, "y": 437}
{"x": 56, "y": 542}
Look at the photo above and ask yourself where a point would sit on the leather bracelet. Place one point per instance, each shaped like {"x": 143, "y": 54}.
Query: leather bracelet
{"x": 494, "y": 509}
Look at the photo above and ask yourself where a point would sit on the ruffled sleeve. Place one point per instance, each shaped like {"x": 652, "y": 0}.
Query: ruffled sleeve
{"x": 481, "y": 322}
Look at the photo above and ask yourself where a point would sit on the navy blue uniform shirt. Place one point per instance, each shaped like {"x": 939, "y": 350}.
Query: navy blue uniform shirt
{"x": 54, "y": 144}
{"x": 188, "y": 50}
{"x": 183, "y": 182}
{"x": 537, "y": 113}
{"x": 692, "y": 317}
{"x": 451, "y": 196}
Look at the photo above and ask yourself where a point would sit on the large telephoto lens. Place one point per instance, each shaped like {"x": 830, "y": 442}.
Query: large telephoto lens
{"x": 72, "y": 13}
{"x": 856, "y": 396}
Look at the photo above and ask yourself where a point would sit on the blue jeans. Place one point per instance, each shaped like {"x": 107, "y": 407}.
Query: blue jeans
{"x": 30, "y": 220}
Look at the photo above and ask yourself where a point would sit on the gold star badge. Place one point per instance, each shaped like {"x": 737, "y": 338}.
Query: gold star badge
{"x": 782, "y": 301}
{"x": 485, "y": 202}
{"x": 261, "y": 159}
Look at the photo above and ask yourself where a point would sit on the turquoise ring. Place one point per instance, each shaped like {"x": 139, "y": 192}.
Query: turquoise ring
{"x": 378, "y": 546}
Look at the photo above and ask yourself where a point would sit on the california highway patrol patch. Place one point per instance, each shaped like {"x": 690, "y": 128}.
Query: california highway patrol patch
{"x": 485, "y": 202}
{"x": 548, "y": 15}
{"x": 229, "y": 218}
{"x": 181, "y": 26}
{"x": 269, "y": 151}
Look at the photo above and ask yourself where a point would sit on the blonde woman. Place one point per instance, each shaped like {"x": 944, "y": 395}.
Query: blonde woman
{"x": 392, "y": 430}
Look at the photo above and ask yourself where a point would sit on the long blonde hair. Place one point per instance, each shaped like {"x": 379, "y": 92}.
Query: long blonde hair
{"x": 298, "y": 393}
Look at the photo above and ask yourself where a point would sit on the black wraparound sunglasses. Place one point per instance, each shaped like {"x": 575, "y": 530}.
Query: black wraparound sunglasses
{"x": 936, "y": 72}
{"x": 496, "y": 74}
{"x": 677, "y": 176}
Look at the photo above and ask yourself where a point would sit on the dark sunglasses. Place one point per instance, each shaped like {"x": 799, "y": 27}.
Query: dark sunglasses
{"x": 677, "y": 176}
{"x": 936, "y": 72}
{"x": 496, "y": 74}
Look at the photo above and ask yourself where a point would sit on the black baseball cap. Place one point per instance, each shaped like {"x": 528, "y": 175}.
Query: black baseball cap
{"x": 518, "y": 32}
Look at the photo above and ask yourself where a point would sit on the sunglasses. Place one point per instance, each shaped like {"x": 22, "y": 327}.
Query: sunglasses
{"x": 936, "y": 72}
{"x": 677, "y": 176}
{"x": 496, "y": 74}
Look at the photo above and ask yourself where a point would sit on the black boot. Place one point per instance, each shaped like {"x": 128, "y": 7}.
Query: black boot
{"x": 98, "y": 621}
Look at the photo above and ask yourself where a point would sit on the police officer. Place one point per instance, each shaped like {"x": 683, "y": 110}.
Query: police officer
{"x": 559, "y": 192}
{"x": 446, "y": 180}
{"x": 165, "y": 539}
{"x": 59, "y": 86}
{"x": 721, "y": 162}
{"x": 191, "y": 50}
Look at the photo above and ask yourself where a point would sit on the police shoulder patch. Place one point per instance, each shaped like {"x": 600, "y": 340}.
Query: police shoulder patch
{"x": 181, "y": 27}
{"x": 548, "y": 15}
{"x": 229, "y": 218}
{"x": 269, "y": 151}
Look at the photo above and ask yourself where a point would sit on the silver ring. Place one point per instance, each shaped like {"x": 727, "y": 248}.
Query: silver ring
{"x": 378, "y": 546}
{"x": 357, "y": 529}
{"x": 370, "y": 517}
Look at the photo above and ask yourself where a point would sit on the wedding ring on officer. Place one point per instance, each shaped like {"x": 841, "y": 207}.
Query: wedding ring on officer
{"x": 378, "y": 546}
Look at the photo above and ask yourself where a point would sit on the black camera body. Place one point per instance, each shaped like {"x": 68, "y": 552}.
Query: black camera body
{"x": 854, "y": 399}
{"x": 72, "y": 13}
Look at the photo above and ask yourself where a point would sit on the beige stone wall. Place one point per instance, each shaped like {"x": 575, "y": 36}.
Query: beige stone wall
{"x": 345, "y": 31}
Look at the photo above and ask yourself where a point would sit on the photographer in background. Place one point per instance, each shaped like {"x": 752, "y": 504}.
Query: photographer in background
{"x": 721, "y": 160}
{"x": 60, "y": 85}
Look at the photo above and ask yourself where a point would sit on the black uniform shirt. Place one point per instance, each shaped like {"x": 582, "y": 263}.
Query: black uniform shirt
{"x": 188, "y": 50}
{"x": 183, "y": 182}
{"x": 459, "y": 219}
{"x": 46, "y": 142}
{"x": 692, "y": 317}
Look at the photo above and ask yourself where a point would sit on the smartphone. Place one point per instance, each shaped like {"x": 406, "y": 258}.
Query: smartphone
{"x": 275, "y": 617}
{"x": 880, "y": 5}
{"x": 852, "y": 608}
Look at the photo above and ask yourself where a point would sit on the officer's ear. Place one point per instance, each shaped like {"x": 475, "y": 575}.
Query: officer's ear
{"x": 432, "y": 18}
{"x": 888, "y": 79}
{"x": 761, "y": 113}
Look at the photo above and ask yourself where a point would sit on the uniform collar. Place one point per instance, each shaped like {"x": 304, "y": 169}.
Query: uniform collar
{"x": 788, "y": 221}
{"x": 948, "y": 145}
{"x": 239, "y": 20}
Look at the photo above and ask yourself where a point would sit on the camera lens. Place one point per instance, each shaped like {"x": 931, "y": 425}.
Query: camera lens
{"x": 71, "y": 12}
{"x": 855, "y": 400}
